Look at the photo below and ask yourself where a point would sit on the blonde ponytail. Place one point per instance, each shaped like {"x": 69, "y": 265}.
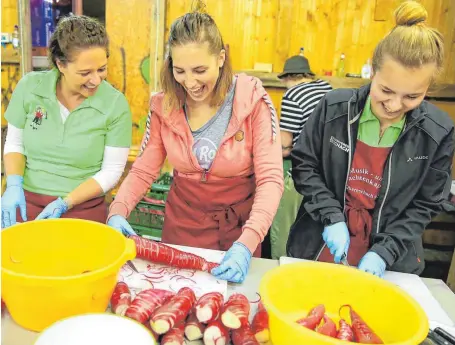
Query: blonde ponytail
{"x": 412, "y": 43}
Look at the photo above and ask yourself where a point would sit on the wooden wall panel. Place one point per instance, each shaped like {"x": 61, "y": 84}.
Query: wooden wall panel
{"x": 269, "y": 31}
{"x": 128, "y": 24}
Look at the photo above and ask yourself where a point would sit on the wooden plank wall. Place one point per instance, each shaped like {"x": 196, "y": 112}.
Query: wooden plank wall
{"x": 128, "y": 24}
{"x": 9, "y": 19}
{"x": 269, "y": 31}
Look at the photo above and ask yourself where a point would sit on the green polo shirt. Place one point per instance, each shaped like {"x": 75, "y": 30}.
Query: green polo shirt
{"x": 370, "y": 129}
{"x": 60, "y": 156}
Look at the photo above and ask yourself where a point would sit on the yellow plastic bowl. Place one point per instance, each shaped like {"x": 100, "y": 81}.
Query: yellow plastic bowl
{"x": 290, "y": 291}
{"x": 57, "y": 268}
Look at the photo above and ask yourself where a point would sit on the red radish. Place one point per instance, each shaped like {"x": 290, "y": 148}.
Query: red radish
{"x": 146, "y": 302}
{"x": 208, "y": 307}
{"x": 160, "y": 253}
{"x": 175, "y": 336}
{"x": 120, "y": 299}
{"x": 345, "y": 332}
{"x": 313, "y": 318}
{"x": 260, "y": 324}
{"x": 243, "y": 336}
{"x": 329, "y": 327}
{"x": 235, "y": 311}
{"x": 216, "y": 334}
{"x": 173, "y": 312}
{"x": 194, "y": 330}
{"x": 362, "y": 332}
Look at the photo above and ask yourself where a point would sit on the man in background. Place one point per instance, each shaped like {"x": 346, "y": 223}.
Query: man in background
{"x": 303, "y": 94}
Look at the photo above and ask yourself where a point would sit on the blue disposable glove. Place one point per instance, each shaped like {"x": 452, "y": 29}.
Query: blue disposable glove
{"x": 121, "y": 224}
{"x": 53, "y": 210}
{"x": 13, "y": 198}
{"x": 235, "y": 264}
{"x": 373, "y": 263}
{"x": 336, "y": 236}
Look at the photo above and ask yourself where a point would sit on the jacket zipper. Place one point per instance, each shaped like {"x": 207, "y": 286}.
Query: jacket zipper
{"x": 349, "y": 168}
{"x": 406, "y": 128}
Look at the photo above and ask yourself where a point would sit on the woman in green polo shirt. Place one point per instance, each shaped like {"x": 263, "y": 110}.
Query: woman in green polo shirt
{"x": 69, "y": 131}
{"x": 374, "y": 164}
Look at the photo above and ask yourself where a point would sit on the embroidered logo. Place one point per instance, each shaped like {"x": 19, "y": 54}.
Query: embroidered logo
{"x": 40, "y": 113}
{"x": 417, "y": 158}
{"x": 239, "y": 136}
{"x": 339, "y": 144}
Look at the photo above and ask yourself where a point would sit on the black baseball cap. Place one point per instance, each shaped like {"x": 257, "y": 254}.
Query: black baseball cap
{"x": 296, "y": 65}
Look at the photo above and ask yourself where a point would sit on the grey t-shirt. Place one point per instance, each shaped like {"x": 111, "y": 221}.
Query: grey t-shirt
{"x": 207, "y": 138}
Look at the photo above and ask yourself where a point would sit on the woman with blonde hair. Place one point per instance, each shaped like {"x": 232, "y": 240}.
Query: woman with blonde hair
{"x": 374, "y": 164}
{"x": 219, "y": 133}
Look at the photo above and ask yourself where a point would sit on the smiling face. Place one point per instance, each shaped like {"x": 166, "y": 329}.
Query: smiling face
{"x": 85, "y": 72}
{"x": 197, "y": 70}
{"x": 396, "y": 89}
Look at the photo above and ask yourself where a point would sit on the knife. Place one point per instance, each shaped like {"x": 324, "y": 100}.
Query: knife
{"x": 437, "y": 339}
{"x": 130, "y": 263}
{"x": 344, "y": 260}
{"x": 446, "y": 335}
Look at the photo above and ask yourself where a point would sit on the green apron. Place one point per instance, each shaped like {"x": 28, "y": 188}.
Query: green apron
{"x": 286, "y": 214}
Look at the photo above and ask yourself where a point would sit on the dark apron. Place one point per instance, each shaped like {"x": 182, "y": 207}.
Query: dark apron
{"x": 208, "y": 214}
{"x": 94, "y": 209}
{"x": 364, "y": 183}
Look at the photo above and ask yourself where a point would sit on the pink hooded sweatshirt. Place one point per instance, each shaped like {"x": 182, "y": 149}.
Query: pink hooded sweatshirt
{"x": 251, "y": 144}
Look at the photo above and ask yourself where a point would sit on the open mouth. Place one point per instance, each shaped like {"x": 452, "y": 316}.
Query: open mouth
{"x": 90, "y": 89}
{"x": 196, "y": 92}
{"x": 390, "y": 113}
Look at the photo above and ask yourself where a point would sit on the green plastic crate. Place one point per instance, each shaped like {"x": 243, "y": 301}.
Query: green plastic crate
{"x": 148, "y": 216}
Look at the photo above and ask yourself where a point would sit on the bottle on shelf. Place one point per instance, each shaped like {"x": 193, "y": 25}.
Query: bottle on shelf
{"x": 366, "y": 70}
{"x": 340, "y": 69}
{"x": 15, "y": 37}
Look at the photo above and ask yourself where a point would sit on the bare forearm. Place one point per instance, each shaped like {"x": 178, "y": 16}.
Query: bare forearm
{"x": 14, "y": 163}
{"x": 86, "y": 191}
{"x": 286, "y": 143}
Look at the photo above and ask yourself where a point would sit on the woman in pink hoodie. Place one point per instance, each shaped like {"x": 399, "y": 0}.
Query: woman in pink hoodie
{"x": 219, "y": 132}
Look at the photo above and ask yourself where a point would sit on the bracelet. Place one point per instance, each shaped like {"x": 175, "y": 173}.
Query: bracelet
{"x": 286, "y": 147}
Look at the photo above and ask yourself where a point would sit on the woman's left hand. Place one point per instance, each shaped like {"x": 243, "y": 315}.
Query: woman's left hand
{"x": 373, "y": 263}
{"x": 54, "y": 210}
{"x": 235, "y": 264}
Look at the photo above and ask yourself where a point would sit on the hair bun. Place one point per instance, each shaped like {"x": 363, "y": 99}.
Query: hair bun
{"x": 410, "y": 13}
{"x": 198, "y": 6}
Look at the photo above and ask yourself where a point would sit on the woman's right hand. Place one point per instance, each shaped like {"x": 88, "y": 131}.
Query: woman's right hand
{"x": 119, "y": 223}
{"x": 13, "y": 198}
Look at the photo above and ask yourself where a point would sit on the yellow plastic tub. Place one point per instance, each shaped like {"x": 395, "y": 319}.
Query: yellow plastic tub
{"x": 290, "y": 291}
{"x": 53, "y": 269}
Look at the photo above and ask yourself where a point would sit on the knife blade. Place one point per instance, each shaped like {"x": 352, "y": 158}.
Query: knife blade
{"x": 130, "y": 263}
{"x": 344, "y": 260}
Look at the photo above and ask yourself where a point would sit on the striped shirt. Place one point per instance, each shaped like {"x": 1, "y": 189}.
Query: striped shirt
{"x": 298, "y": 103}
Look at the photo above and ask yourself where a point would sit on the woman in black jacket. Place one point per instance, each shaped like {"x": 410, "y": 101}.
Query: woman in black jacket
{"x": 374, "y": 164}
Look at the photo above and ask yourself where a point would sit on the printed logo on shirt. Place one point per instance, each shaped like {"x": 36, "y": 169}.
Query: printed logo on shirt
{"x": 205, "y": 151}
{"x": 40, "y": 114}
{"x": 339, "y": 144}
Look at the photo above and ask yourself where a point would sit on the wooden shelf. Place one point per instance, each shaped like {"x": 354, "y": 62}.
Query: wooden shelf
{"x": 438, "y": 91}
{"x": 10, "y": 56}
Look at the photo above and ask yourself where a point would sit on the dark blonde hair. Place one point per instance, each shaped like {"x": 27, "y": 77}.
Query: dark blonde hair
{"x": 76, "y": 33}
{"x": 194, "y": 27}
{"x": 412, "y": 43}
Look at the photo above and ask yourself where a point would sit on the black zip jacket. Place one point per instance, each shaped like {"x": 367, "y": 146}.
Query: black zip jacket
{"x": 416, "y": 180}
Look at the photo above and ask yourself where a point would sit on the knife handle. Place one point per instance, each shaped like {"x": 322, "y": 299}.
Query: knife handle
{"x": 437, "y": 339}
{"x": 446, "y": 335}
